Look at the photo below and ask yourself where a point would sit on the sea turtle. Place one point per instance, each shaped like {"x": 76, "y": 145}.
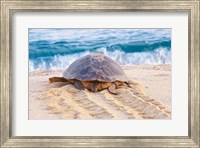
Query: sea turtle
{"x": 94, "y": 72}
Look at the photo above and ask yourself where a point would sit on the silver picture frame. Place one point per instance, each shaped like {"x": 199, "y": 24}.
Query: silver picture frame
{"x": 9, "y": 7}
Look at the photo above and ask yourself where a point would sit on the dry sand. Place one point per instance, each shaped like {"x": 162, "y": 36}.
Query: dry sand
{"x": 149, "y": 97}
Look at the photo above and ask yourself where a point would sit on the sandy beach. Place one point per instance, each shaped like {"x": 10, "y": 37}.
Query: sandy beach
{"x": 148, "y": 98}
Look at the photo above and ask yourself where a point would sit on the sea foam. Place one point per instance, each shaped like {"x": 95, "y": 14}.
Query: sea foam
{"x": 52, "y": 49}
{"x": 159, "y": 56}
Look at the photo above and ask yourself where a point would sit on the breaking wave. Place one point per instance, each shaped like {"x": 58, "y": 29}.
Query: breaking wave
{"x": 126, "y": 47}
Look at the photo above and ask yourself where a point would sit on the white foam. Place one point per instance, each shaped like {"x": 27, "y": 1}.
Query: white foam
{"x": 158, "y": 56}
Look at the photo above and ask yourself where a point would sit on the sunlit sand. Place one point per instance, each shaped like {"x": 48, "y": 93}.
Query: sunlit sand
{"x": 149, "y": 97}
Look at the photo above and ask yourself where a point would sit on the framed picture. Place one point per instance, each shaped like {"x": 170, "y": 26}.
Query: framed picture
{"x": 99, "y": 73}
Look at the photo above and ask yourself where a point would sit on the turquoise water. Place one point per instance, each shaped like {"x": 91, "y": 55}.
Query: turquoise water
{"x": 51, "y": 49}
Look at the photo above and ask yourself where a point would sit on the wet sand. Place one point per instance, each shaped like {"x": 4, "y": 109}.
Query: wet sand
{"x": 148, "y": 98}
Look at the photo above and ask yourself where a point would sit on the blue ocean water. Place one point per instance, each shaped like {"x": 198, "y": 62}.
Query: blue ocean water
{"x": 51, "y": 49}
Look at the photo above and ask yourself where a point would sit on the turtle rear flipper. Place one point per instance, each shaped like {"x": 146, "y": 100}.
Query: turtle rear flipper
{"x": 112, "y": 89}
{"x": 128, "y": 84}
{"x": 78, "y": 85}
{"x": 57, "y": 79}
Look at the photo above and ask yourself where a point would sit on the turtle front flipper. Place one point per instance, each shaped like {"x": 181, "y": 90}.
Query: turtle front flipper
{"x": 57, "y": 79}
{"x": 112, "y": 89}
{"x": 78, "y": 85}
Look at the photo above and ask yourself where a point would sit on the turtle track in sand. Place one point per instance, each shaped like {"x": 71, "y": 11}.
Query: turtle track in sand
{"x": 69, "y": 103}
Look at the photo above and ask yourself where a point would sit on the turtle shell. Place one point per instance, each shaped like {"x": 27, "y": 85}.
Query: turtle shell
{"x": 95, "y": 67}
